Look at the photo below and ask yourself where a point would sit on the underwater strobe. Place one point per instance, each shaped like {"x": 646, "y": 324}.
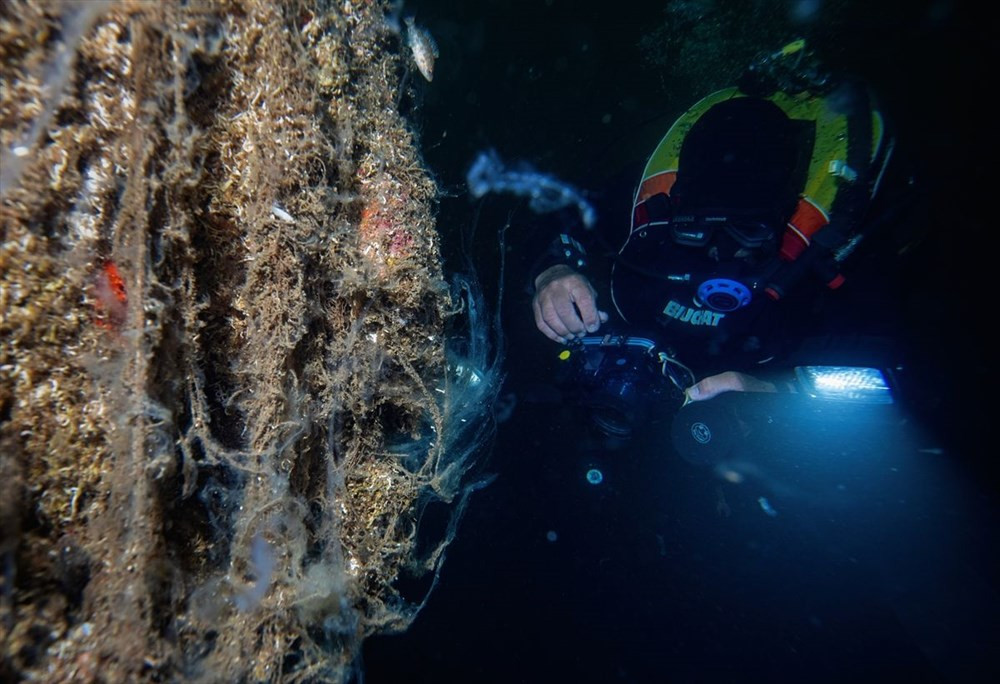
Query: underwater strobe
{"x": 830, "y": 406}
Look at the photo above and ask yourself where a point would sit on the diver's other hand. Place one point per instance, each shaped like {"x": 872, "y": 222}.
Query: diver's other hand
{"x": 565, "y": 304}
{"x": 730, "y": 381}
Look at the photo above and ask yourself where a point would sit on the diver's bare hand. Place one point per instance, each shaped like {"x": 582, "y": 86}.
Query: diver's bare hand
{"x": 730, "y": 381}
{"x": 565, "y": 304}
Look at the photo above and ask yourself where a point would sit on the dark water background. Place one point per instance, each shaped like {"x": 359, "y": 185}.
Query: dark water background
{"x": 646, "y": 580}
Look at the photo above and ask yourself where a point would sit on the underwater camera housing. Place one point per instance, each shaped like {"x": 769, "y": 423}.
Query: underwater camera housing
{"x": 622, "y": 380}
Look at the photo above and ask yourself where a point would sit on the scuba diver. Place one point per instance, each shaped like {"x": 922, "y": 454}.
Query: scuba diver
{"x": 741, "y": 225}
{"x": 753, "y": 308}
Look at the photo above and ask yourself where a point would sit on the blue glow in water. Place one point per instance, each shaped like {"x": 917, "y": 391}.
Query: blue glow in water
{"x": 765, "y": 506}
{"x": 545, "y": 193}
{"x": 595, "y": 476}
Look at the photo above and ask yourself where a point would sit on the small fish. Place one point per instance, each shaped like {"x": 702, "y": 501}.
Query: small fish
{"x": 424, "y": 48}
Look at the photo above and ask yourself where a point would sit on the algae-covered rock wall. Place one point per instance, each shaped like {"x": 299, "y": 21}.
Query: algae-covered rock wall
{"x": 226, "y": 392}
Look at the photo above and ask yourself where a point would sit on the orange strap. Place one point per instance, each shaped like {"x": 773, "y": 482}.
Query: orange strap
{"x": 806, "y": 220}
{"x": 661, "y": 182}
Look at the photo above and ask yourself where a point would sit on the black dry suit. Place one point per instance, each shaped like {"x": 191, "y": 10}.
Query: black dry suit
{"x": 744, "y": 212}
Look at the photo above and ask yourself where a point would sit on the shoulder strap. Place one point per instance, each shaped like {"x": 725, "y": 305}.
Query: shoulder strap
{"x": 837, "y": 238}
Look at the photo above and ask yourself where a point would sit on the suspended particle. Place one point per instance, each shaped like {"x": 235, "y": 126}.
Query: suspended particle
{"x": 765, "y": 506}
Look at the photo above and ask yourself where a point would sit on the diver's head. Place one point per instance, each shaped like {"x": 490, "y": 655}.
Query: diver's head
{"x": 699, "y": 257}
